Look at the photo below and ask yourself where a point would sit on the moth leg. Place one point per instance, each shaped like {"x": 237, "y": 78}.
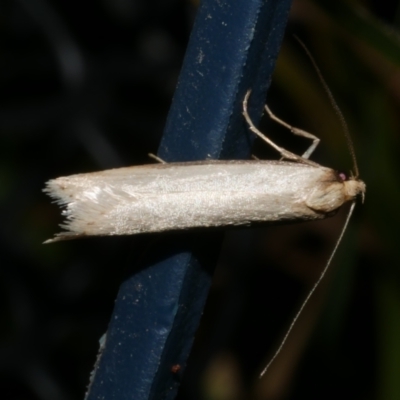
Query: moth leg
{"x": 284, "y": 153}
{"x": 296, "y": 131}
{"x": 158, "y": 159}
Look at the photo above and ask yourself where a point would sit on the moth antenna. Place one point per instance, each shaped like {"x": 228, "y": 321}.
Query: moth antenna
{"x": 316, "y": 284}
{"x": 335, "y": 106}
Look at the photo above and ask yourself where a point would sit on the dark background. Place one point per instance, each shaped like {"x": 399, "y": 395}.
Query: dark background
{"x": 87, "y": 86}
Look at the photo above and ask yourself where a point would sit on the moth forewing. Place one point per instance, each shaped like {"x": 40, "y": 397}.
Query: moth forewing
{"x": 178, "y": 196}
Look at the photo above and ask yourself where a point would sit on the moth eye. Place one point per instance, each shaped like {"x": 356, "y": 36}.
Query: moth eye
{"x": 342, "y": 176}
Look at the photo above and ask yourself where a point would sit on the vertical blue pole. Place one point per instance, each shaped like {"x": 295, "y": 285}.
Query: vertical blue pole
{"x": 233, "y": 47}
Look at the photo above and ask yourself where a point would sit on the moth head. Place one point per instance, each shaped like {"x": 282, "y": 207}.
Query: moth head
{"x": 334, "y": 191}
{"x": 354, "y": 187}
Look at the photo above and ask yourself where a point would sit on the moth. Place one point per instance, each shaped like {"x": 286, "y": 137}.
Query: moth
{"x": 180, "y": 196}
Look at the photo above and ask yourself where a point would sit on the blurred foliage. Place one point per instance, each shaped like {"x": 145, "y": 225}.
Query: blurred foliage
{"x": 87, "y": 86}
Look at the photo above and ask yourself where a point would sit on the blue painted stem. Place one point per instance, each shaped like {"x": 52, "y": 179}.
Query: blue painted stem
{"x": 233, "y": 47}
